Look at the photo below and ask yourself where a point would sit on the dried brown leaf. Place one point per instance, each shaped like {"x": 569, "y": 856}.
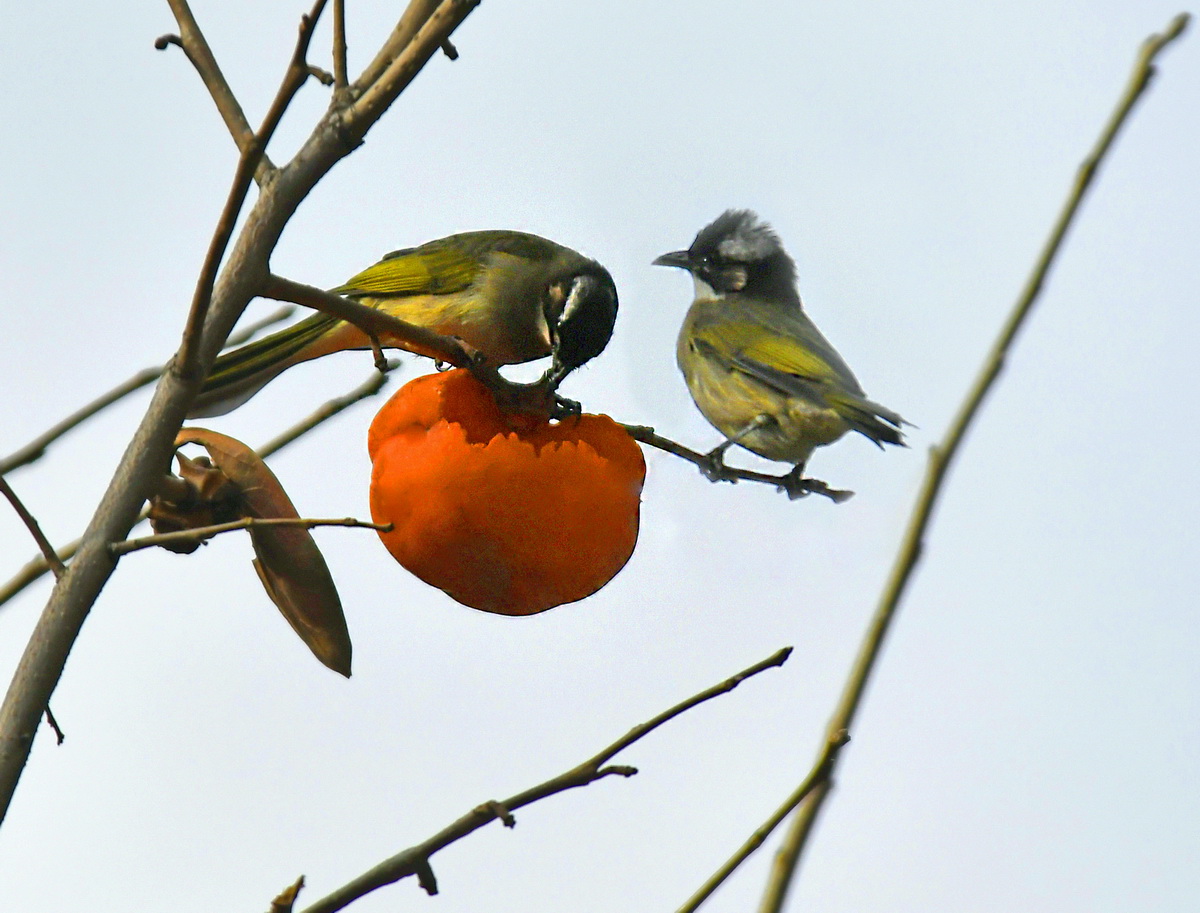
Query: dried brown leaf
{"x": 288, "y": 562}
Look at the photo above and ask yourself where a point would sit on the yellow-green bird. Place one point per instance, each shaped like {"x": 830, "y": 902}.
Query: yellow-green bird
{"x": 513, "y": 296}
{"x": 756, "y": 366}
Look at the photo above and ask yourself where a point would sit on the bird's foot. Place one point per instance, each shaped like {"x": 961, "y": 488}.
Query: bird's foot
{"x": 712, "y": 465}
{"x": 798, "y": 486}
{"x": 561, "y": 407}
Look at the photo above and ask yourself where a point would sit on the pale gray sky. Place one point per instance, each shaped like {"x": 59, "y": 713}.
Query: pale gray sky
{"x": 1031, "y": 741}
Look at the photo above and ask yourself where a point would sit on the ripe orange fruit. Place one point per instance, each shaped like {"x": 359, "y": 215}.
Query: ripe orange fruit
{"x": 506, "y": 513}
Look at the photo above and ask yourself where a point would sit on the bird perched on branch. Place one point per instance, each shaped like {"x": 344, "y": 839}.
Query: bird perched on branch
{"x": 512, "y": 296}
{"x": 756, "y": 366}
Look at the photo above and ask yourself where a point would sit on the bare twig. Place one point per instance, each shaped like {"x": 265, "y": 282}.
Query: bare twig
{"x": 340, "y": 80}
{"x": 372, "y": 321}
{"x": 201, "y": 533}
{"x": 59, "y": 735}
{"x": 370, "y": 387}
{"x": 794, "y": 488}
{"x": 35, "y": 530}
{"x": 817, "y": 779}
{"x": 36, "y": 448}
{"x": 195, "y": 46}
{"x": 187, "y": 358}
{"x": 375, "y": 97}
{"x": 415, "y": 860}
{"x": 941, "y": 456}
{"x": 415, "y": 15}
{"x": 37, "y": 567}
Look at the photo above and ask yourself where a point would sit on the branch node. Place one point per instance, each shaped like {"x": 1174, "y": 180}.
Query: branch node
{"x": 449, "y": 49}
{"x": 322, "y": 76}
{"x": 617, "y": 770}
{"x": 162, "y": 42}
{"x": 497, "y": 810}
{"x": 425, "y": 877}
{"x": 53, "y": 724}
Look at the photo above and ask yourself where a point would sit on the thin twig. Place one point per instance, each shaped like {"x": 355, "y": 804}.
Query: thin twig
{"x": 201, "y": 533}
{"x": 35, "y": 530}
{"x": 818, "y": 778}
{"x": 36, "y": 448}
{"x": 187, "y": 358}
{"x": 372, "y": 321}
{"x": 415, "y": 859}
{"x": 794, "y": 488}
{"x": 370, "y": 387}
{"x": 36, "y": 568}
{"x": 340, "y": 80}
{"x": 195, "y": 46}
{"x": 378, "y": 95}
{"x": 414, "y": 16}
{"x": 59, "y": 735}
{"x": 941, "y": 456}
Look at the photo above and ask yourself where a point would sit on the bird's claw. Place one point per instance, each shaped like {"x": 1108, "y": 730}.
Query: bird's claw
{"x": 561, "y": 407}
{"x": 797, "y": 486}
{"x": 712, "y": 466}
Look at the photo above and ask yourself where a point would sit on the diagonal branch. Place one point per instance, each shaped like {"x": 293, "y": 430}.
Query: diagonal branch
{"x": 372, "y": 321}
{"x": 415, "y": 860}
{"x": 378, "y": 95}
{"x": 36, "y": 448}
{"x": 148, "y": 453}
{"x": 186, "y": 360}
{"x": 52, "y": 559}
{"x": 37, "y": 568}
{"x": 193, "y": 43}
{"x": 411, "y": 20}
{"x": 941, "y": 456}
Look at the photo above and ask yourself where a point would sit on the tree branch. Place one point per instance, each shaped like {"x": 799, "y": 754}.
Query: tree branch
{"x": 186, "y": 360}
{"x": 35, "y": 569}
{"x": 375, "y": 97}
{"x": 193, "y": 43}
{"x": 36, "y": 448}
{"x": 414, "y": 16}
{"x": 52, "y": 559}
{"x": 148, "y": 454}
{"x": 415, "y": 860}
{"x": 202, "y": 533}
{"x": 340, "y": 80}
{"x": 941, "y": 456}
{"x": 793, "y": 487}
{"x": 372, "y": 321}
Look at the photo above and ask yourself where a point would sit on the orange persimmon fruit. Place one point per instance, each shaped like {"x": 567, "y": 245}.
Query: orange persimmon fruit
{"x": 506, "y": 513}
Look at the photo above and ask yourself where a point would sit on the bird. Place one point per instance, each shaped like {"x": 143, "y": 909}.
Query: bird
{"x": 756, "y": 366}
{"x": 512, "y": 296}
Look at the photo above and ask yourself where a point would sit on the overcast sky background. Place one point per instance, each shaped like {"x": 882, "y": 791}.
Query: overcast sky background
{"x": 1032, "y": 739}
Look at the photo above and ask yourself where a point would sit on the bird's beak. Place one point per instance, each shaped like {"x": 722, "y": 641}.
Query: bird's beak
{"x": 678, "y": 258}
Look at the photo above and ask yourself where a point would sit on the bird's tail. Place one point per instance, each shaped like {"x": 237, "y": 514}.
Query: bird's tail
{"x": 238, "y": 375}
{"x": 876, "y": 422}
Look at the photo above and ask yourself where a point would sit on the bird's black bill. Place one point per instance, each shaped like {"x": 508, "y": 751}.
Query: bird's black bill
{"x": 676, "y": 258}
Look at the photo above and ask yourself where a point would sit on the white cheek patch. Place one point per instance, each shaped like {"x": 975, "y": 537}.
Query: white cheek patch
{"x": 703, "y": 289}
{"x": 579, "y": 289}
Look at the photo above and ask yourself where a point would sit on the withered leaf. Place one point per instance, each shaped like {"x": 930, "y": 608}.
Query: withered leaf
{"x": 288, "y": 562}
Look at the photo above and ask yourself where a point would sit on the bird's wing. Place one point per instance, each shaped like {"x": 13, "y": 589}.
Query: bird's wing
{"x": 439, "y": 267}
{"x": 803, "y": 366}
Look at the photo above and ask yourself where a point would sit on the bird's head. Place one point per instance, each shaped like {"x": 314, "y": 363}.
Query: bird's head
{"x": 737, "y": 252}
{"x": 580, "y": 308}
